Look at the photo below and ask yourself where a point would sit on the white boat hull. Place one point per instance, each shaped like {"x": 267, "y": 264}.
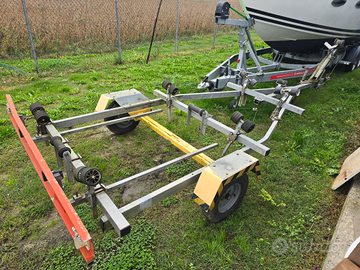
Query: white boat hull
{"x": 300, "y": 26}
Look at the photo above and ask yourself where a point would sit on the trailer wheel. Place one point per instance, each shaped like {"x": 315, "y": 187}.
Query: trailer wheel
{"x": 123, "y": 127}
{"x": 229, "y": 199}
{"x": 354, "y": 65}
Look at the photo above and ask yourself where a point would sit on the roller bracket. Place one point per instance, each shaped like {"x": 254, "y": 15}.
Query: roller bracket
{"x": 203, "y": 113}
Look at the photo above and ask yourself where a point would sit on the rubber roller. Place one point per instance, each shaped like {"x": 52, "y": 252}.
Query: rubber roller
{"x": 59, "y": 146}
{"x": 34, "y": 107}
{"x": 41, "y": 117}
{"x": 192, "y": 107}
{"x": 170, "y": 88}
{"x": 246, "y": 125}
{"x": 88, "y": 176}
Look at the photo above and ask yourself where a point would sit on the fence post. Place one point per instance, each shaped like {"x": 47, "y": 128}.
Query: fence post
{"x": 30, "y": 36}
{"x": 216, "y": 28}
{"x": 153, "y": 33}
{"x": 177, "y": 25}
{"x": 118, "y": 29}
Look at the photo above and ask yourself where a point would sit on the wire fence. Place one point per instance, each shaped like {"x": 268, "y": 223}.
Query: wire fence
{"x": 68, "y": 27}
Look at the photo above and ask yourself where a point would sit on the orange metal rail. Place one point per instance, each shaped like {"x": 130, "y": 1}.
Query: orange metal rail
{"x": 58, "y": 197}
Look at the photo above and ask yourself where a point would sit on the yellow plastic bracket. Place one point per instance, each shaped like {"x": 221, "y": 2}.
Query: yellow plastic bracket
{"x": 220, "y": 173}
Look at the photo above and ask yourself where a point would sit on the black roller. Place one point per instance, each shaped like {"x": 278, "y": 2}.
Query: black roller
{"x": 173, "y": 90}
{"x": 194, "y": 108}
{"x": 294, "y": 92}
{"x": 61, "y": 148}
{"x": 253, "y": 82}
{"x": 41, "y": 117}
{"x": 277, "y": 90}
{"x": 247, "y": 126}
{"x": 236, "y": 117}
{"x": 89, "y": 176}
{"x": 282, "y": 82}
{"x": 34, "y": 107}
{"x": 166, "y": 84}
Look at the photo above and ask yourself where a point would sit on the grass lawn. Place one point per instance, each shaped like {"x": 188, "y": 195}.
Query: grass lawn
{"x": 285, "y": 221}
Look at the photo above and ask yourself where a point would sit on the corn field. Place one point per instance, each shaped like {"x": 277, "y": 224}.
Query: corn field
{"x": 90, "y": 26}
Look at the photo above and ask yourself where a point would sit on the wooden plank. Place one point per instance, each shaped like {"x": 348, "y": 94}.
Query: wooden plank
{"x": 349, "y": 169}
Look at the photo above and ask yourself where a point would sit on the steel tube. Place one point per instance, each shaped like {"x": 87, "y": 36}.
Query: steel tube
{"x": 158, "y": 168}
{"x": 84, "y": 118}
{"x": 268, "y": 99}
{"x": 271, "y": 129}
{"x": 158, "y": 195}
{"x": 107, "y": 123}
{"x": 261, "y": 149}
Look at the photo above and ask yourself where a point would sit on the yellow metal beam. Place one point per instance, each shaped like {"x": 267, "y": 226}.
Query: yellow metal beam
{"x": 175, "y": 140}
{"x": 167, "y": 134}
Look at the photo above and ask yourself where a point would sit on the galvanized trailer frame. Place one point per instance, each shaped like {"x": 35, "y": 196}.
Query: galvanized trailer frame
{"x": 97, "y": 194}
{"x": 218, "y": 78}
{"x": 215, "y": 180}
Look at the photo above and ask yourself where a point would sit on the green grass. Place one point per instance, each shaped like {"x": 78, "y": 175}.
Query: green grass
{"x": 292, "y": 206}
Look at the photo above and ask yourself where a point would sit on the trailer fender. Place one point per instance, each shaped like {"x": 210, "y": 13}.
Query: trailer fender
{"x": 219, "y": 174}
{"x": 106, "y": 98}
{"x": 352, "y": 52}
{"x": 352, "y": 56}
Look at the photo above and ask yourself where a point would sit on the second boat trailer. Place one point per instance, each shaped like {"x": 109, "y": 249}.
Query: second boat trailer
{"x": 220, "y": 184}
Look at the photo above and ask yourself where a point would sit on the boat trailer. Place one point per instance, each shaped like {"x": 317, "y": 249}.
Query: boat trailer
{"x": 235, "y": 69}
{"x": 220, "y": 184}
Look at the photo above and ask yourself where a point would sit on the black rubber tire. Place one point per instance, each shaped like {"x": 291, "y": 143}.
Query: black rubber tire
{"x": 236, "y": 117}
{"x": 232, "y": 105}
{"x": 229, "y": 199}
{"x": 120, "y": 128}
{"x": 353, "y": 66}
{"x": 34, "y": 107}
{"x": 166, "y": 84}
{"x": 247, "y": 126}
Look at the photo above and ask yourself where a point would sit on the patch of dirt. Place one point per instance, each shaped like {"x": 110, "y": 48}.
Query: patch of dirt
{"x": 49, "y": 235}
{"x": 100, "y": 132}
{"x": 336, "y": 207}
{"x": 353, "y": 141}
{"x": 137, "y": 189}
